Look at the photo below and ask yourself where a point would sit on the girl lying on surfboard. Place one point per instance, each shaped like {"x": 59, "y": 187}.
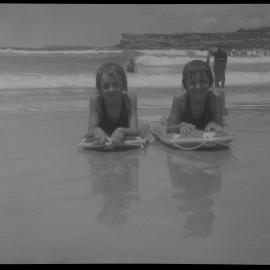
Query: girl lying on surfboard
{"x": 112, "y": 110}
{"x": 198, "y": 107}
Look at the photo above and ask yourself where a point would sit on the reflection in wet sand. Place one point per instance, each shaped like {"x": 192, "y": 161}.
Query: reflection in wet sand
{"x": 195, "y": 176}
{"x": 115, "y": 177}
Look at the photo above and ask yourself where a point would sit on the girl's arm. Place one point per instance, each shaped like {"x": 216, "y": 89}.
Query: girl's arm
{"x": 93, "y": 120}
{"x": 217, "y": 109}
{"x": 93, "y": 115}
{"x": 133, "y": 129}
{"x": 173, "y": 124}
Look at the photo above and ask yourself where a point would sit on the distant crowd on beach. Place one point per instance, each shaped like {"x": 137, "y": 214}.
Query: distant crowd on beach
{"x": 244, "y": 52}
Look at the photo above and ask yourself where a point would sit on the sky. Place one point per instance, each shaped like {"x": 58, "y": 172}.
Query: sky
{"x": 37, "y": 25}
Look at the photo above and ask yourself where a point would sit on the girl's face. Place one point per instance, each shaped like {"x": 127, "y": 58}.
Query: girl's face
{"x": 197, "y": 83}
{"x": 110, "y": 87}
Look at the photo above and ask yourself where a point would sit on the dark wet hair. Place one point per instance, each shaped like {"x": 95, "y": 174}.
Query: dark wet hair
{"x": 197, "y": 65}
{"x": 114, "y": 70}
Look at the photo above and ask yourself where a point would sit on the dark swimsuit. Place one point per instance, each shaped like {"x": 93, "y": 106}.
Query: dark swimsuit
{"x": 220, "y": 63}
{"x": 205, "y": 118}
{"x": 106, "y": 124}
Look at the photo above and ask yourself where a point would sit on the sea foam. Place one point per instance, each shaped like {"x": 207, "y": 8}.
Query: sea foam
{"x": 176, "y": 60}
{"x": 35, "y": 81}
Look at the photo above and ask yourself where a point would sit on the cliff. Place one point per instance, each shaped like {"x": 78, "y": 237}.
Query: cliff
{"x": 258, "y": 38}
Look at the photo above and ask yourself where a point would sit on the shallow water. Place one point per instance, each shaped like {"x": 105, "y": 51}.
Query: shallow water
{"x": 62, "y": 205}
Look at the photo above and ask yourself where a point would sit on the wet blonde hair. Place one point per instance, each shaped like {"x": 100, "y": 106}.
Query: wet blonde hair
{"x": 113, "y": 70}
{"x": 194, "y": 66}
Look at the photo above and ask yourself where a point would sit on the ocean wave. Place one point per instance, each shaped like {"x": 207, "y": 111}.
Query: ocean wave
{"x": 56, "y": 52}
{"x": 175, "y": 80}
{"x": 153, "y": 60}
{"x": 36, "y": 81}
{"x": 249, "y": 60}
{"x": 174, "y": 60}
{"x": 174, "y": 52}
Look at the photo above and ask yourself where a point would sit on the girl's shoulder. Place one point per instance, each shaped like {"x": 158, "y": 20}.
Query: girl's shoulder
{"x": 214, "y": 95}
{"x": 129, "y": 95}
{"x": 179, "y": 99}
{"x": 130, "y": 99}
{"x": 95, "y": 98}
{"x": 178, "y": 103}
{"x": 95, "y": 102}
{"x": 215, "y": 99}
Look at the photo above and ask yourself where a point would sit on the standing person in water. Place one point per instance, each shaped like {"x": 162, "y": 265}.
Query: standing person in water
{"x": 220, "y": 63}
{"x": 199, "y": 107}
{"x": 112, "y": 111}
{"x": 131, "y": 66}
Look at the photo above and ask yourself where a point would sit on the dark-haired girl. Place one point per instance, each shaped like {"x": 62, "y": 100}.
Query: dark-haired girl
{"x": 113, "y": 110}
{"x": 198, "y": 107}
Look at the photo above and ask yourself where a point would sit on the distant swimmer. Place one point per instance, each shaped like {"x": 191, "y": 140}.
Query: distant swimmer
{"x": 131, "y": 66}
{"x": 220, "y": 63}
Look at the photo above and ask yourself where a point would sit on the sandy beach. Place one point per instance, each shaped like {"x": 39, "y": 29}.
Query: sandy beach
{"x": 59, "y": 204}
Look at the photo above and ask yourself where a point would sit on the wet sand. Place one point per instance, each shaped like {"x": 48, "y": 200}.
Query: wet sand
{"x": 158, "y": 205}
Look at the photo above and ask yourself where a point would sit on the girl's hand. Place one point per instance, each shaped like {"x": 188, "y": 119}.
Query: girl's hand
{"x": 87, "y": 138}
{"x": 100, "y": 135}
{"x": 212, "y": 126}
{"x": 118, "y": 136}
{"x": 186, "y": 128}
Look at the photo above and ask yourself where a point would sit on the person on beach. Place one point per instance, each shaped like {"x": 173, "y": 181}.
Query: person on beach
{"x": 219, "y": 66}
{"x": 112, "y": 110}
{"x": 198, "y": 107}
{"x": 131, "y": 66}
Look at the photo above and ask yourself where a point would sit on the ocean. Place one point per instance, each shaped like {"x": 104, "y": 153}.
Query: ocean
{"x": 76, "y": 69}
{"x": 59, "y": 204}
{"x": 71, "y": 73}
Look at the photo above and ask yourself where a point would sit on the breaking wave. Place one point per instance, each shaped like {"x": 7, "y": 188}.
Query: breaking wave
{"x": 35, "y": 81}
